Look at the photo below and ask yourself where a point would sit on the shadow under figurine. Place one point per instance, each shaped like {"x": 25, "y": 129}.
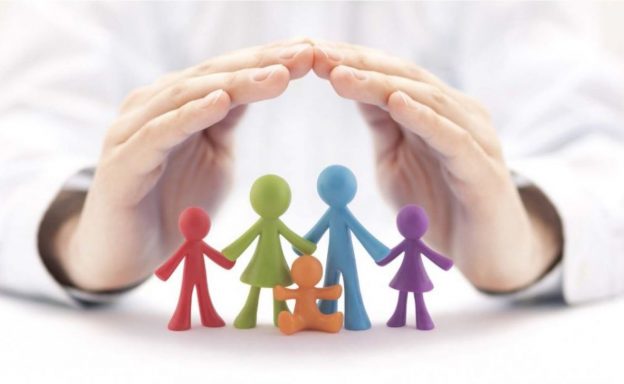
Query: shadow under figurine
{"x": 307, "y": 272}
{"x": 412, "y": 223}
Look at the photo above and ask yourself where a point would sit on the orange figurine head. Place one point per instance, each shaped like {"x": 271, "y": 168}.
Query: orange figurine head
{"x": 306, "y": 271}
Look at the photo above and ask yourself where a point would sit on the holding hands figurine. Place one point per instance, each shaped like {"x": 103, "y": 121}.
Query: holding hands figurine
{"x": 307, "y": 272}
{"x": 194, "y": 224}
{"x": 412, "y": 222}
{"x": 270, "y": 198}
{"x": 337, "y": 186}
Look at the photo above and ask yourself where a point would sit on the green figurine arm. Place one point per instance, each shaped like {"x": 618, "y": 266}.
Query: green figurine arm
{"x": 299, "y": 243}
{"x": 373, "y": 246}
{"x": 236, "y": 249}
{"x": 280, "y": 293}
{"x": 329, "y": 293}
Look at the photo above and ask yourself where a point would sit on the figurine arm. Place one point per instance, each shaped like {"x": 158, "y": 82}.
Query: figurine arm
{"x": 166, "y": 269}
{"x": 298, "y": 242}
{"x": 280, "y": 293}
{"x": 436, "y": 258}
{"x": 315, "y": 234}
{"x": 236, "y": 249}
{"x": 393, "y": 254}
{"x": 373, "y": 246}
{"x": 329, "y": 293}
{"x": 217, "y": 257}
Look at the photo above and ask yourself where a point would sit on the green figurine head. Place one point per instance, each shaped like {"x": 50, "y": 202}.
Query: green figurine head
{"x": 270, "y": 196}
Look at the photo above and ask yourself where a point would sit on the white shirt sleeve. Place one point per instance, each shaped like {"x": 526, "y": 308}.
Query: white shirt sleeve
{"x": 63, "y": 72}
{"x": 557, "y": 102}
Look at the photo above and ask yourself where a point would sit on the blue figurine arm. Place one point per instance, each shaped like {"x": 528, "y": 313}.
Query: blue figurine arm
{"x": 238, "y": 246}
{"x": 373, "y": 246}
{"x": 315, "y": 234}
{"x": 393, "y": 254}
{"x": 436, "y": 258}
{"x": 166, "y": 269}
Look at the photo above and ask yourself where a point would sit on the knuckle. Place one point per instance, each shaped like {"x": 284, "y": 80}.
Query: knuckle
{"x": 205, "y": 67}
{"x": 438, "y": 97}
{"x": 177, "y": 92}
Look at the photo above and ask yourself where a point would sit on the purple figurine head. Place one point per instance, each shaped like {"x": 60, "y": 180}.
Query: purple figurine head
{"x": 412, "y": 221}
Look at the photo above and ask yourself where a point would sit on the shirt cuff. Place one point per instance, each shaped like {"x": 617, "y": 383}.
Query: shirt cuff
{"x": 583, "y": 273}
{"x": 22, "y": 270}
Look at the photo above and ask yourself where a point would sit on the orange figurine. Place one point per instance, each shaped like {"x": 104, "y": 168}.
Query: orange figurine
{"x": 306, "y": 273}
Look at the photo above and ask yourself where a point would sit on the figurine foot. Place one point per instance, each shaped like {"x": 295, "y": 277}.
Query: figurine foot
{"x": 179, "y": 326}
{"x": 278, "y": 308}
{"x": 425, "y": 324}
{"x": 214, "y": 322}
{"x": 358, "y": 324}
{"x": 396, "y": 322}
{"x": 245, "y": 321}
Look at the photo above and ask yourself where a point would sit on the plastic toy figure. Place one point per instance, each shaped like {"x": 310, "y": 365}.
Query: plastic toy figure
{"x": 337, "y": 186}
{"x": 270, "y": 198}
{"x": 194, "y": 224}
{"x": 412, "y": 222}
{"x": 307, "y": 272}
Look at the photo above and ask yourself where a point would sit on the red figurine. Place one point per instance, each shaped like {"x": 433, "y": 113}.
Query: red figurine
{"x": 194, "y": 224}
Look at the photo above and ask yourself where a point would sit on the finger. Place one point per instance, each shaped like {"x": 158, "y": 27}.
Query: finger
{"x": 386, "y": 132}
{"x": 375, "y": 88}
{"x": 329, "y": 55}
{"x": 296, "y": 55}
{"x": 244, "y": 86}
{"x": 148, "y": 148}
{"x": 459, "y": 152}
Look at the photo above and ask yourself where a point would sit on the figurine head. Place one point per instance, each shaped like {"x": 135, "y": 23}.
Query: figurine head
{"x": 270, "y": 196}
{"x": 412, "y": 221}
{"x": 306, "y": 271}
{"x": 336, "y": 185}
{"x": 194, "y": 223}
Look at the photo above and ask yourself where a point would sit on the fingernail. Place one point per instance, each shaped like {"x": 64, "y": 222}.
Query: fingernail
{"x": 290, "y": 52}
{"x": 331, "y": 54}
{"x": 357, "y": 74}
{"x": 214, "y": 96}
{"x": 263, "y": 73}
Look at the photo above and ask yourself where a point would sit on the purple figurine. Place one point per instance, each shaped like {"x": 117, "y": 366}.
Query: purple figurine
{"x": 412, "y": 223}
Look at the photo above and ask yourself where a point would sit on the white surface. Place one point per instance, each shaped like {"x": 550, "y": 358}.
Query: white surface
{"x": 477, "y": 340}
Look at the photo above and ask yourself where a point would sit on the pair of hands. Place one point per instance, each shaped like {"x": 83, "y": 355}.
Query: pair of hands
{"x": 172, "y": 146}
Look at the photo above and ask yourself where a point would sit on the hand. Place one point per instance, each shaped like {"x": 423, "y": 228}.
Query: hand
{"x": 169, "y": 148}
{"x": 437, "y": 147}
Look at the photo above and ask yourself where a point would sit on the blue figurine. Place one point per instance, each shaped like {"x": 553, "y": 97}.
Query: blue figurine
{"x": 337, "y": 186}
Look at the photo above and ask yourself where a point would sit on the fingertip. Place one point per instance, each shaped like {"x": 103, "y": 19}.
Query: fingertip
{"x": 301, "y": 63}
{"x": 321, "y": 65}
{"x": 398, "y": 102}
{"x": 341, "y": 78}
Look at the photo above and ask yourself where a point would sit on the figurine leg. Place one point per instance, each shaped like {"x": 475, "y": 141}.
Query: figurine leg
{"x": 278, "y": 308}
{"x": 289, "y": 323}
{"x": 423, "y": 320}
{"x": 399, "y": 316}
{"x": 247, "y": 317}
{"x": 181, "y": 319}
{"x": 332, "y": 276}
{"x": 356, "y": 318}
{"x": 209, "y": 316}
{"x": 329, "y": 323}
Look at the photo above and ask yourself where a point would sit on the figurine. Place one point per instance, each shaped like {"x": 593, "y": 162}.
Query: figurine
{"x": 270, "y": 198}
{"x": 194, "y": 224}
{"x": 412, "y": 223}
{"x": 336, "y": 185}
{"x": 307, "y": 272}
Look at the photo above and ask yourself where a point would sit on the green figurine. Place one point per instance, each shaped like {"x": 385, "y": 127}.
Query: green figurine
{"x": 270, "y": 198}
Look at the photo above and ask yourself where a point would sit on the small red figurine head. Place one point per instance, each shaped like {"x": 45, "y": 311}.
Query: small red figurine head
{"x": 194, "y": 223}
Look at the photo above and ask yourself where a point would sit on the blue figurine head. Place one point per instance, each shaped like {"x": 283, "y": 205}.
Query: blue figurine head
{"x": 412, "y": 221}
{"x": 336, "y": 185}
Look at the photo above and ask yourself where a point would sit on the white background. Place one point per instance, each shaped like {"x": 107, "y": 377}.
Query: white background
{"x": 477, "y": 339}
